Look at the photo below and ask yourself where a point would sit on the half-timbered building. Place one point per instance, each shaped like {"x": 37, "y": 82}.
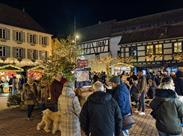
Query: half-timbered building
{"x": 149, "y": 41}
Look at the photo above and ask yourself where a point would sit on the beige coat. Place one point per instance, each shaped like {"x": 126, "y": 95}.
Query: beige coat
{"x": 69, "y": 107}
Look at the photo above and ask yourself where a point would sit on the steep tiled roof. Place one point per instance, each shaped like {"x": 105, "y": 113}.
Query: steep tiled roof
{"x": 154, "y": 24}
{"x": 15, "y": 17}
{"x": 154, "y": 20}
{"x": 97, "y": 31}
{"x": 153, "y": 34}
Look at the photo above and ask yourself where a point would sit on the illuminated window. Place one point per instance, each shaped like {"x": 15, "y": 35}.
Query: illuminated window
{"x": 149, "y": 49}
{"x": 177, "y": 47}
{"x": 158, "y": 48}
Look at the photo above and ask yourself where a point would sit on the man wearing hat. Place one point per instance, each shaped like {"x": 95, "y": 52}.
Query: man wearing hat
{"x": 121, "y": 94}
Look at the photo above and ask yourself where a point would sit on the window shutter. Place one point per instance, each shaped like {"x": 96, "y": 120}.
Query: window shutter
{"x": 23, "y": 53}
{"x": 8, "y": 34}
{"x": 7, "y": 51}
{"x": 39, "y": 55}
{"x": 28, "y": 37}
{"x": 36, "y": 54}
{"x": 36, "y": 39}
{"x": 14, "y": 52}
{"x": 23, "y": 36}
{"x": 14, "y": 35}
{"x": 40, "y": 40}
{"x": 29, "y": 56}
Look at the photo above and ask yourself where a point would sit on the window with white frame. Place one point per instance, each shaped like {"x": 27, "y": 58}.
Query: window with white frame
{"x": 32, "y": 38}
{"x": 177, "y": 47}
{"x": 158, "y": 48}
{"x": 43, "y": 40}
{"x": 19, "y": 52}
{"x": 149, "y": 50}
{"x": 2, "y": 33}
{"x": 19, "y": 36}
{"x": 2, "y": 51}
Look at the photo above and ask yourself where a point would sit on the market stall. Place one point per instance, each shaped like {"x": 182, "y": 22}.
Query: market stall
{"x": 35, "y": 73}
{"x": 6, "y": 73}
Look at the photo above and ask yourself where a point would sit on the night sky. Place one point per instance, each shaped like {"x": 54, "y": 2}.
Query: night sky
{"x": 57, "y": 16}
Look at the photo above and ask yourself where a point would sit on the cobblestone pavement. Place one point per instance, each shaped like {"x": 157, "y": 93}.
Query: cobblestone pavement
{"x": 14, "y": 123}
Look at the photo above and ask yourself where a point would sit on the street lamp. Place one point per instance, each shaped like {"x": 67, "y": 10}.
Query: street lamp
{"x": 77, "y": 36}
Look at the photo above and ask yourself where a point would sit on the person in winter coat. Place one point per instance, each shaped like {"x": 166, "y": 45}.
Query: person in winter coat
{"x": 29, "y": 99}
{"x": 100, "y": 115}
{"x": 56, "y": 89}
{"x": 43, "y": 93}
{"x": 179, "y": 83}
{"x": 69, "y": 107}
{"x": 142, "y": 88}
{"x": 151, "y": 89}
{"x": 134, "y": 92}
{"x": 122, "y": 95}
{"x": 167, "y": 109}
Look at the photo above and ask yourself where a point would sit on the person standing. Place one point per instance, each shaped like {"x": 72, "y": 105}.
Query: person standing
{"x": 69, "y": 107}
{"x": 56, "y": 90}
{"x": 43, "y": 93}
{"x": 122, "y": 95}
{"x": 29, "y": 99}
{"x": 100, "y": 115}
{"x": 167, "y": 109}
{"x": 179, "y": 83}
{"x": 142, "y": 88}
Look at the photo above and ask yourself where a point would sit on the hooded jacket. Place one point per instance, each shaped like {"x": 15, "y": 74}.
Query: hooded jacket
{"x": 100, "y": 116}
{"x": 168, "y": 111}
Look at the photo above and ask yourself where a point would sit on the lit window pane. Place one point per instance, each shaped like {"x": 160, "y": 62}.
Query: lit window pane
{"x": 159, "y": 49}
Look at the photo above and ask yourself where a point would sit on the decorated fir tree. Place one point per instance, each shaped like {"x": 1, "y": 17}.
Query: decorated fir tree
{"x": 63, "y": 59}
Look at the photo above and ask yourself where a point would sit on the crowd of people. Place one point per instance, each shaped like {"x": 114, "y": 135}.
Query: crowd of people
{"x": 108, "y": 110}
{"x": 11, "y": 84}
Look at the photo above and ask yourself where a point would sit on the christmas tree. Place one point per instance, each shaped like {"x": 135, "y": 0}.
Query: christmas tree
{"x": 63, "y": 59}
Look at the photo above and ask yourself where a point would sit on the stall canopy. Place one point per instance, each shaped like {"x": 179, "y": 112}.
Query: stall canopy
{"x": 36, "y": 72}
{"x": 11, "y": 68}
{"x": 37, "y": 68}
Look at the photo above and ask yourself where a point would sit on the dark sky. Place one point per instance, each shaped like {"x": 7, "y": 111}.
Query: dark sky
{"x": 57, "y": 16}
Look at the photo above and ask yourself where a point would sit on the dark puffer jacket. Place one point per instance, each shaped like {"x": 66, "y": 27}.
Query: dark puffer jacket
{"x": 179, "y": 83}
{"x": 100, "y": 116}
{"x": 168, "y": 111}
